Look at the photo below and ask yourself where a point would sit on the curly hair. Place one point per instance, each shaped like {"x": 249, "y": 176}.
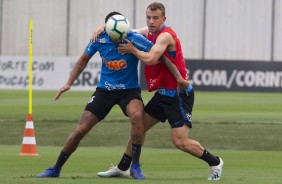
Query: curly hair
{"x": 111, "y": 14}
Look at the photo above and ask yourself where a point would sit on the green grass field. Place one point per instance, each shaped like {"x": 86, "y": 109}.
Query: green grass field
{"x": 160, "y": 166}
{"x": 243, "y": 128}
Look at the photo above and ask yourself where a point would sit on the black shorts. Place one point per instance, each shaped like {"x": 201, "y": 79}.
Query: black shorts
{"x": 103, "y": 100}
{"x": 177, "y": 110}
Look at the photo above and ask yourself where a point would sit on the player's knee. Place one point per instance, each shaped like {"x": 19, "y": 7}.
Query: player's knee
{"x": 136, "y": 119}
{"x": 78, "y": 134}
{"x": 81, "y": 131}
{"x": 135, "y": 111}
{"x": 179, "y": 143}
{"x": 136, "y": 115}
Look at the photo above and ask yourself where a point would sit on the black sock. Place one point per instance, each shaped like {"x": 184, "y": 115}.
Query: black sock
{"x": 136, "y": 151}
{"x": 125, "y": 162}
{"x": 210, "y": 158}
{"x": 63, "y": 157}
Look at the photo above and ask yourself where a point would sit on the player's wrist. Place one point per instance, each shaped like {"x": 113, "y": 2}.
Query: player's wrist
{"x": 68, "y": 84}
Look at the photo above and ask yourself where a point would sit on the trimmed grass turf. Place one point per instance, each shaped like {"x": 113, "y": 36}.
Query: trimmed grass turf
{"x": 225, "y": 123}
{"x": 229, "y": 121}
{"x": 223, "y": 136}
{"x": 210, "y": 107}
{"x": 160, "y": 166}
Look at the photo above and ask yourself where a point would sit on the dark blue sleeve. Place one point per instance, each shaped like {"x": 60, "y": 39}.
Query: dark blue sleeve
{"x": 139, "y": 41}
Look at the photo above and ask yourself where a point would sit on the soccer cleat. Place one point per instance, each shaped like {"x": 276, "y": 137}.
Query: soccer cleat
{"x": 114, "y": 171}
{"x": 215, "y": 171}
{"x": 136, "y": 172}
{"x": 51, "y": 172}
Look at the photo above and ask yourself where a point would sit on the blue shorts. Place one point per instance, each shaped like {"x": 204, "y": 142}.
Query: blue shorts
{"x": 177, "y": 109}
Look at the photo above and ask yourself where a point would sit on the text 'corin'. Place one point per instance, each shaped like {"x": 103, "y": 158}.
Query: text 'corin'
{"x": 240, "y": 78}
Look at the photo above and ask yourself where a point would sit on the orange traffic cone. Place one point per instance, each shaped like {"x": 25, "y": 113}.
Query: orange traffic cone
{"x": 29, "y": 143}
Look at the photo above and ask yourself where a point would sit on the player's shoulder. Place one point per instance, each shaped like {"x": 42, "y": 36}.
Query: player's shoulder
{"x": 164, "y": 37}
{"x": 102, "y": 38}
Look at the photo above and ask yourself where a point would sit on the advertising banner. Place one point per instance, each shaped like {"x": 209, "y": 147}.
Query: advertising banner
{"x": 213, "y": 75}
{"x": 49, "y": 73}
{"x": 216, "y": 75}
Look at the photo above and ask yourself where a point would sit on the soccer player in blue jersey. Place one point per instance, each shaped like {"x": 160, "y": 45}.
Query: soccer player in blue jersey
{"x": 118, "y": 85}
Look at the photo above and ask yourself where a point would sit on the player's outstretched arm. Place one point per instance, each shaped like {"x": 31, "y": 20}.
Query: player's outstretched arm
{"x": 76, "y": 71}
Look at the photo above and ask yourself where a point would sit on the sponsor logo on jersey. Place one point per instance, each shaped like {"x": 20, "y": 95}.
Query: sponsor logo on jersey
{"x": 111, "y": 86}
{"x": 102, "y": 40}
{"x": 116, "y": 64}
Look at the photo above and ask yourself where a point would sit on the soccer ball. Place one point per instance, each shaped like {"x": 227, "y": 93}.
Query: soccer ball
{"x": 117, "y": 27}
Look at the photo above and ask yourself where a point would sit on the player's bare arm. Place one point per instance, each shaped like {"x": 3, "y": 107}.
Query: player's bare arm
{"x": 143, "y": 31}
{"x": 96, "y": 33}
{"x": 151, "y": 57}
{"x": 76, "y": 71}
{"x": 182, "y": 83}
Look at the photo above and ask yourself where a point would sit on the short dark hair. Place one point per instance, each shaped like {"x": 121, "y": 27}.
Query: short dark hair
{"x": 157, "y": 6}
{"x": 111, "y": 14}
